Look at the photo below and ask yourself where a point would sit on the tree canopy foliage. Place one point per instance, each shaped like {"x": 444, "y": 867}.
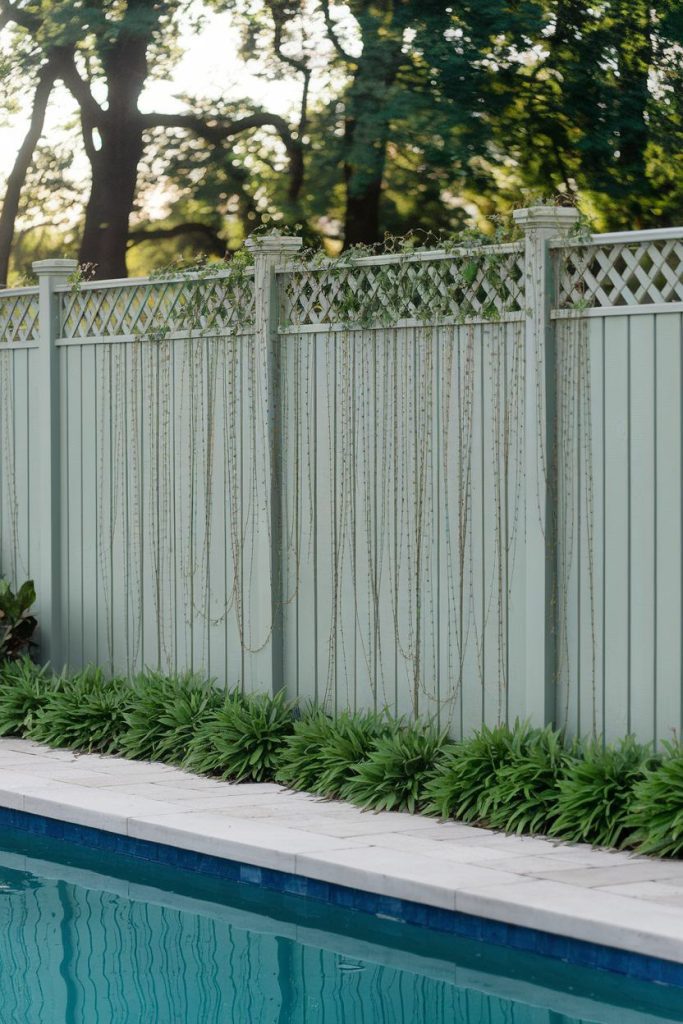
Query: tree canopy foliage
{"x": 407, "y": 115}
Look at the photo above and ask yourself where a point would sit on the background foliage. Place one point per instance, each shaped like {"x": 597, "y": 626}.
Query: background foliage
{"x": 404, "y": 115}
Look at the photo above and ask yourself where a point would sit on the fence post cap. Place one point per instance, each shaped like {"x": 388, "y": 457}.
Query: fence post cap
{"x": 64, "y": 267}
{"x": 273, "y": 243}
{"x": 561, "y": 218}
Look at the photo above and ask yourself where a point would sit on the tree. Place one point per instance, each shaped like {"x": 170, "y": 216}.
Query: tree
{"x": 107, "y": 45}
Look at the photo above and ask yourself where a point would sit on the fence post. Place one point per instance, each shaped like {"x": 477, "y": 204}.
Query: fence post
{"x": 540, "y": 224}
{"x": 50, "y": 273}
{"x": 269, "y": 251}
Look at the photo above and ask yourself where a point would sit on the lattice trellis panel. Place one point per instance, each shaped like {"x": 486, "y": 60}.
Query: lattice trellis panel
{"x": 483, "y": 284}
{"x": 211, "y": 305}
{"x": 18, "y": 317}
{"x": 622, "y": 274}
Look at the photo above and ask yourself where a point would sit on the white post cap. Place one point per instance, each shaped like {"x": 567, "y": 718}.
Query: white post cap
{"x": 561, "y": 218}
{"x": 273, "y": 243}
{"x": 64, "y": 267}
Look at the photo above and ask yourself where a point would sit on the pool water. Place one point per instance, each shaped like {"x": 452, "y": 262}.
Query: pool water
{"x": 87, "y": 938}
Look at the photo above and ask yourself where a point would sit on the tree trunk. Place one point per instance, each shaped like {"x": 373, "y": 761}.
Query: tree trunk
{"x": 112, "y": 194}
{"x": 115, "y": 143}
{"x": 17, "y": 176}
{"x": 366, "y": 132}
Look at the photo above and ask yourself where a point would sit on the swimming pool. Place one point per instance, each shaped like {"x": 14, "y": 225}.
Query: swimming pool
{"x": 91, "y": 938}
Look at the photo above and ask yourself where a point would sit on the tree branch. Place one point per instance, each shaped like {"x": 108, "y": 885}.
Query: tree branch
{"x": 214, "y": 130}
{"x": 332, "y": 33}
{"x": 10, "y": 12}
{"x": 17, "y": 176}
{"x": 140, "y": 235}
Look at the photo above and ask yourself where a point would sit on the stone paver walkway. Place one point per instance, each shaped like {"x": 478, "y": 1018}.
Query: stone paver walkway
{"x": 619, "y": 900}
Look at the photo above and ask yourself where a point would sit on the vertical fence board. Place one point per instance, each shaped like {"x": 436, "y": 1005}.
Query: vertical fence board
{"x": 668, "y": 343}
{"x": 474, "y": 567}
{"x": 642, "y": 523}
{"x": 617, "y": 515}
{"x": 591, "y": 538}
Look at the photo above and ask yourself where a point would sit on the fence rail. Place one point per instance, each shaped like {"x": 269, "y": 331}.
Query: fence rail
{"x": 448, "y": 483}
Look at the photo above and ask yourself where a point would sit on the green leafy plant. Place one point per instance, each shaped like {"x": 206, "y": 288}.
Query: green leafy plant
{"x": 17, "y": 625}
{"x": 656, "y": 813}
{"x": 301, "y": 764}
{"x": 164, "y": 714}
{"x": 24, "y": 690}
{"x": 243, "y": 739}
{"x": 460, "y": 786}
{"x": 87, "y": 714}
{"x": 595, "y": 796}
{"x": 193, "y": 704}
{"x": 523, "y": 796}
{"x": 349, "y": 742}
{"x": 392, "y": 777}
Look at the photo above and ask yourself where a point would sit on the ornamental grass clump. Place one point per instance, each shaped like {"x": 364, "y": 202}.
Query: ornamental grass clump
{"x": 24, "y": 690}
{"x": 300, "y": 764}
{"x": 460, "y": 787}
{"x": 523, "y": 796}
{"x": 656, "y": 814}
{"x": 86, "y": 713}
{"x": 193, "y": 704}
{"x": 164, "y": 714}
{"x": 348, "y": 744}
{"x": 393, "y": 776}
{"x": 243, "y": 740}
{"x": 595, "y": 795}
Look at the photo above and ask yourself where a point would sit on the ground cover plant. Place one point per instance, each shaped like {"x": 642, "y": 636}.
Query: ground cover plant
{"x": 17, "y": 625}
{"x": 517, "y": 779}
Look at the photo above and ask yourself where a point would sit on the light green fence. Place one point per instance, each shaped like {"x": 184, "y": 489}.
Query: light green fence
{"x": 446, "y": 483}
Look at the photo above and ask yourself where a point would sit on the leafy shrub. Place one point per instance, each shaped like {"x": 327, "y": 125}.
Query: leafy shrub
{"x": 24, "y": 690}
{"x": 243, "y": 739}
{"x": 300, "y": 764}
{"x": 350, "y": 741}
{"x": 89, "y": 713}
{"x": 392, "y": 777}
{"x": 657, "y": 806}
{"x": 595, "y": 795}
{"x": 164, "y": 714}
{"x": 460, "y": 787}
{"x": 17, "y": 626}
{"x": 523, "y": 797}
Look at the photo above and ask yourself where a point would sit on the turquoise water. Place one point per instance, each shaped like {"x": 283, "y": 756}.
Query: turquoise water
{"x": 143, "y": 944}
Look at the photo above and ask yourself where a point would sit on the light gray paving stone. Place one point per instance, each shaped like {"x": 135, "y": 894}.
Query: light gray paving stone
{"x": 452, "y": 830}
{"x": 663, "y": 891}
{"x": 600, "y": 917}
{"x": 398, "y": 874}
{"x": 641, "y": 870}
{"x": 83, "y": 806}
{"x": 456, "y": 853}
{"x": 28, "y": 747}
{"x": 270, "y": 846}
